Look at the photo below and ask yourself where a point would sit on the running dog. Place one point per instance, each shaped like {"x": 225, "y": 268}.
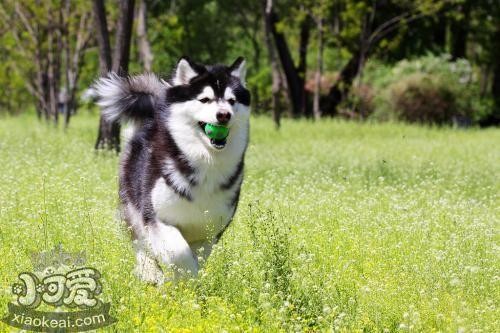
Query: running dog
{"x": 179, "y": 183}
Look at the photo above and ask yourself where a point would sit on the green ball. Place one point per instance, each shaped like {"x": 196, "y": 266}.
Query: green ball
{"x": 216, "y": 132}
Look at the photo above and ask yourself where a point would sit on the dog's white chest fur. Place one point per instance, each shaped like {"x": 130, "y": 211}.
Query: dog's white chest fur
{"x": 208, "y": 211}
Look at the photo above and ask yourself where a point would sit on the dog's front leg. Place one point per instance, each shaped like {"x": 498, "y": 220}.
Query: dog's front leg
{"x": 170, "y": 248}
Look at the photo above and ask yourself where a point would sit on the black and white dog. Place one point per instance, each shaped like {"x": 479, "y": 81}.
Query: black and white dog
{"x": 179, "y": 188}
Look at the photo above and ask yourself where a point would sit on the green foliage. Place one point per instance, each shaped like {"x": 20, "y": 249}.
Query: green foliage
{"x": 217, "y": 31}
{"x": 42, "y": 44}
{"x": 14, "y": 98}
{"x": 341, "y": 227}
{"x": 260, "y": 84}
{"x": 429, "y": 89}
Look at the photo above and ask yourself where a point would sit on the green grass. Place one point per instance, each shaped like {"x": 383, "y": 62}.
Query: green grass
{"x": 341, "y": 226}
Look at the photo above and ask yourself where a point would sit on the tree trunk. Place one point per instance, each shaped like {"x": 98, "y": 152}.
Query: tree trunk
{"x": 319, "y": 71}
{"x": 305, "y": 28}
{"x": 485, "y": 78}
{"x": 275, "y": 74}
{"x": 341, "y": 88}
{"x": 294, "y": 86}
{"x": 459, "y": 32}
{"x": 102, "y": 36}
{"x": 440, "y": 32}
{"x": 66, "y": 10}
{"x": 494, "y": 118}
{"x": 109, "y": 133}
{"x": 74, "y": 56}
{"x": 51, "y": 78}
{"x": 121, "y": 55}
{"x": 145, "y": 53}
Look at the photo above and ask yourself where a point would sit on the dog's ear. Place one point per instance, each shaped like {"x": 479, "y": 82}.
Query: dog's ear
{"x": 185, "y": 71}
{"x": 238, "y": 69}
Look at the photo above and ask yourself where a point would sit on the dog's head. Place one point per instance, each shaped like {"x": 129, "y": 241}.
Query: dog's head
{"x": 204, "y": 99}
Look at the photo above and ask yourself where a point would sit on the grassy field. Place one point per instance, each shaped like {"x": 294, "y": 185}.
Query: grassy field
{"x": 341, "y": 226}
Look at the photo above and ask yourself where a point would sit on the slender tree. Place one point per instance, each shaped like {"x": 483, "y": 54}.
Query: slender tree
{"x": 318, "y": 12}
{"x": 109, "y": 133}
{"x": 275, "y": 73}
{"x": 459, "y": 29}
{"x": 495, "y": 88}
{"x": 102, "y": 36}
{"x": 294, "y": 82}
{"x": 121, "y": 53}
{"x": 304, "y": 38}
{"x": 73, "y": 55}
{"x": 145, "y": 54}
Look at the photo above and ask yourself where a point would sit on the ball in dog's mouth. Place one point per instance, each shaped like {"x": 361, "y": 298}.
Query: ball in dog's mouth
{"x": 216, "y": 133}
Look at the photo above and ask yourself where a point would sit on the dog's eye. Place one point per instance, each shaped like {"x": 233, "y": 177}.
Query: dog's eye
{"x": 205, "y": 100}
{"x": 231, "y": 101}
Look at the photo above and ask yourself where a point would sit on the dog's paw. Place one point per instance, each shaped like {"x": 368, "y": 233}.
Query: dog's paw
{"x": 147, "y": 270}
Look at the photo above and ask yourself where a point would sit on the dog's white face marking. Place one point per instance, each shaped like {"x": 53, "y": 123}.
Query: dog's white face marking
{"x": 229, "y": 94}
{"x": 207, "y": 92}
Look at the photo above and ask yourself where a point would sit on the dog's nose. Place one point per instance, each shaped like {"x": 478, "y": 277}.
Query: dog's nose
{"x": 223, "y": 117}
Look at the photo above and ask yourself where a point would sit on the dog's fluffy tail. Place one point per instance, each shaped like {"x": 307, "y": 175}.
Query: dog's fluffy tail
{"x": 131, "y": 98}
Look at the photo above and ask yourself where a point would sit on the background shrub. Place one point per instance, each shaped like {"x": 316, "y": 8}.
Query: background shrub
{"x": 431, "y": 89}
{"x": 423, "y": 98}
